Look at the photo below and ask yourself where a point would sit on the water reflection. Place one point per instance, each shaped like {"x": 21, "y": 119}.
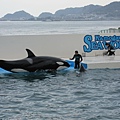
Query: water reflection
{"x": 41, "y": 75}
{"x": 31, "y": 77}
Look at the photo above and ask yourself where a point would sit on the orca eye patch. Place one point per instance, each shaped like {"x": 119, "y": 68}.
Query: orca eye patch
{"x": 60, "y": 63}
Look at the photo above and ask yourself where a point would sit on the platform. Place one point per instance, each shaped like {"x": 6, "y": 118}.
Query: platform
{"x": 101, "y": 62}
{"x": 97, "y": 62}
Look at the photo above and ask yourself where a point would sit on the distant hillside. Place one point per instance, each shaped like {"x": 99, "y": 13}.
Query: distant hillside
{"x": 89, "y": 12}
{"x": 112, "y": 7}
{"x": 19, "y": 15}
{"x": 70, "y": 13}
{"x": 77, "y": 11}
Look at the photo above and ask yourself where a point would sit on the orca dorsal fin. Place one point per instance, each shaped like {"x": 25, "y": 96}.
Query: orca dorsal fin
{"x": 30, "y": 53}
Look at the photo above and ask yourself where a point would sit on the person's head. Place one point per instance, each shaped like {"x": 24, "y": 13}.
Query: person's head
{"x": 76, "y": 52}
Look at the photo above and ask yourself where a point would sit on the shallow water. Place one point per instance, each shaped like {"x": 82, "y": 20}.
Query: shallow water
{"x": 56, "y": 27}
{"x": 92, "y": 95}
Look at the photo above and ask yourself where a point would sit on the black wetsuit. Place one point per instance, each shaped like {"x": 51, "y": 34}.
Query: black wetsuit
{"x": 78, "y": 59}
{"x": 110, "y": 50}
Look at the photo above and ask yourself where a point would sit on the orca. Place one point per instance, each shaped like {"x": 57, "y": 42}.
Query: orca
{"x": 34, "y": 63}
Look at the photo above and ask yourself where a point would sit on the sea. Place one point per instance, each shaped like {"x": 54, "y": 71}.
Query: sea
{"x": 58, "y": 27}
{"x": 59, "y": 95}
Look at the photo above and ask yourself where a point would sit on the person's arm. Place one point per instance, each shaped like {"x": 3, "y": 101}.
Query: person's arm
{"x": 72, "y": 57}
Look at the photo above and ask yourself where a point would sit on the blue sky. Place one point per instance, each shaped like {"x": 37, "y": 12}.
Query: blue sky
{"x": 36, "y": 7}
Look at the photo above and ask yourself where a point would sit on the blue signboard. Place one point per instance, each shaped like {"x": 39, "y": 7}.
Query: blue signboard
{"x": 98, "y": 42}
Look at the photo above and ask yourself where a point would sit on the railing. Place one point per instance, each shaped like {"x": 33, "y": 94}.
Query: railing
{"x": 111, "y": 30}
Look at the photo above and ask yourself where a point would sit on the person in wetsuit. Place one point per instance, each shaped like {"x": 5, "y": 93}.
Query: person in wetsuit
{"x": 110, "y": 48}
{"x": 78, "y": 58}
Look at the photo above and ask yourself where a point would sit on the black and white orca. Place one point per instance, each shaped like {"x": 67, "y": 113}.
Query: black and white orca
{"x": 34, "y": 63}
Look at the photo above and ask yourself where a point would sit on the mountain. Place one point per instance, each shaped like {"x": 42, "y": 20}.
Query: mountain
{"x": 77, "y": 11}
{"x": 45, "y": 16}
{"x": 19, "y": 15}
{"x": 112, "y": 7}
{"x": 110, "y": 10}
{"x": 89, "y": 12}
{"x": 69, "y": 13}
